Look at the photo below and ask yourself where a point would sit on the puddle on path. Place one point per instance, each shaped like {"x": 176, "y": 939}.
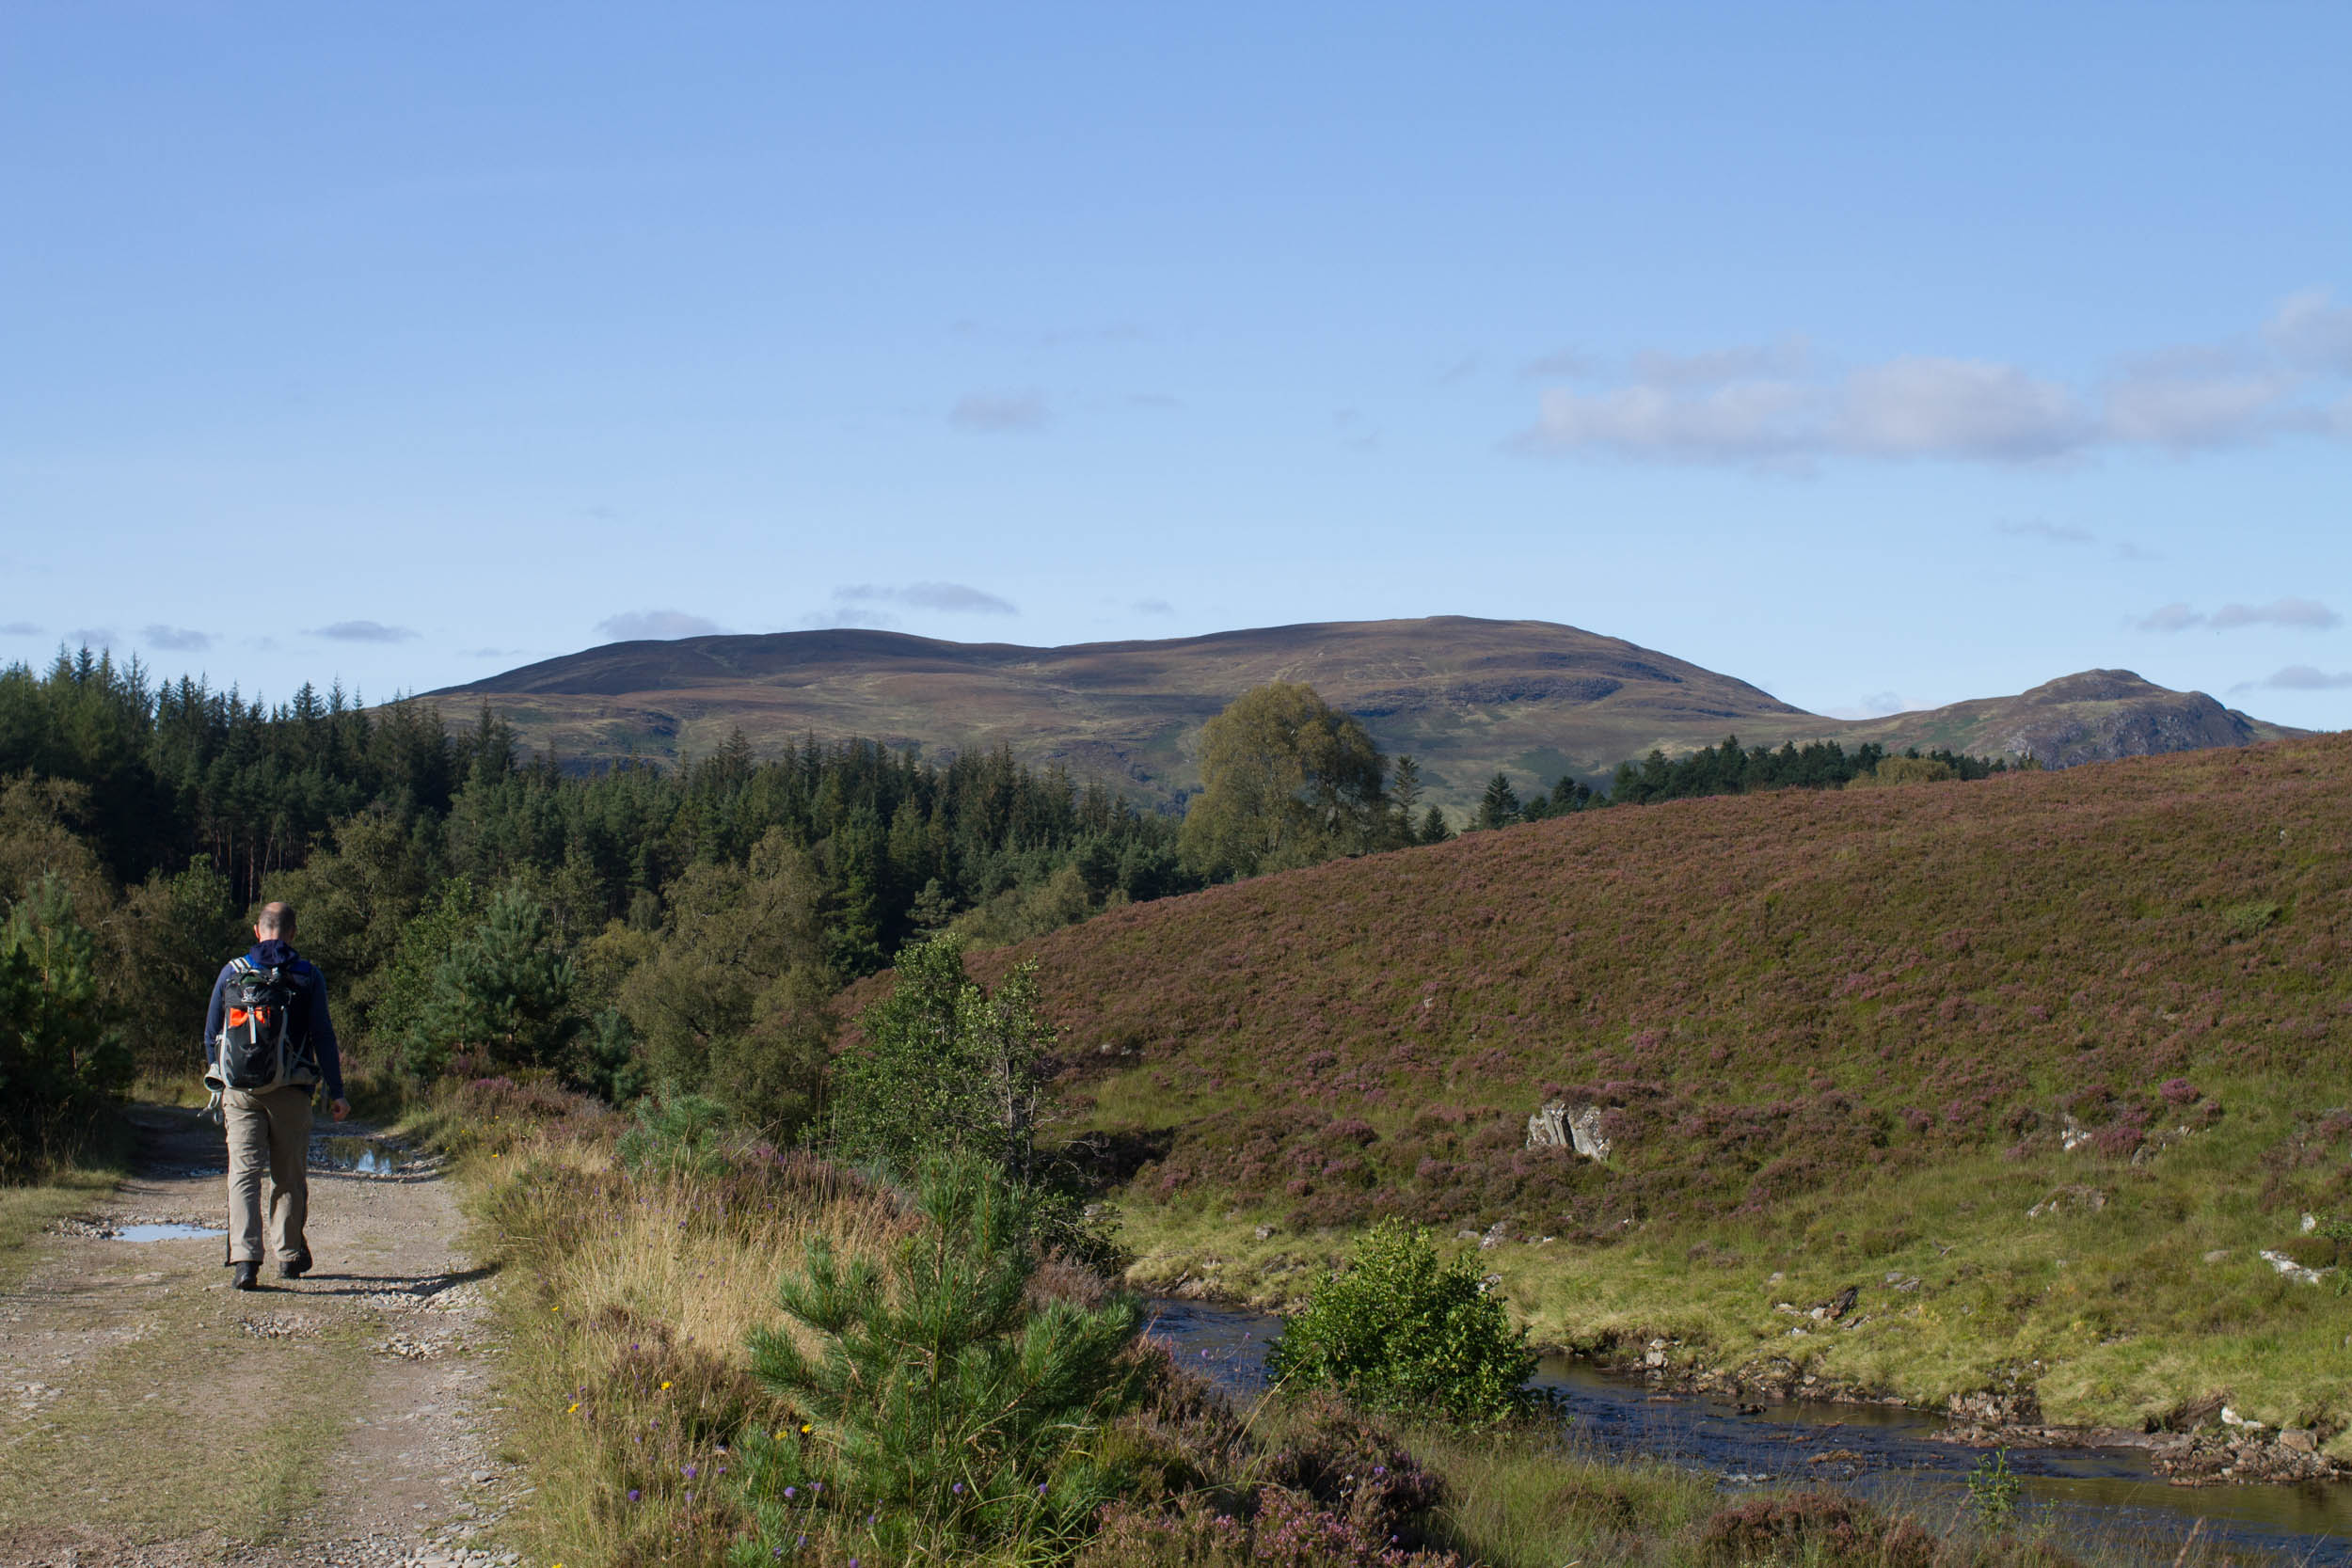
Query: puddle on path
{"x": 162, "y": 1232}
{"x": 1893, "y": 1454}
{"x": 359, "y": 1156}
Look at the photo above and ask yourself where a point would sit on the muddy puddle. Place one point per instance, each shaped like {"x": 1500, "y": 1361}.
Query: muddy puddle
{"x": 2090, "y": 1495}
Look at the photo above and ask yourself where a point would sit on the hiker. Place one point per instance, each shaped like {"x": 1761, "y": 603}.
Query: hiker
{"x": 268, "y": 1044}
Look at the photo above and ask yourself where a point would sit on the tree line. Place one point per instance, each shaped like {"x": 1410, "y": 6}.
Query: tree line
{"x": 624, "y": 924}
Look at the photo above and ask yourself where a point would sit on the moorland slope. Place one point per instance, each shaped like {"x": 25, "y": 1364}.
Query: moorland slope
{"x": 1831, "y": 1035}
{"x": 1466, "y": 697}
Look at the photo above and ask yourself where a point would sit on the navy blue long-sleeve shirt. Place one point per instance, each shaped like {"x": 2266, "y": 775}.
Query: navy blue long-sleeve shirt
{"x": 312, "y": 1026}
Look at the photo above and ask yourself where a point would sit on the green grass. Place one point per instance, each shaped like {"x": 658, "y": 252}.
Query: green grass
{"x": 2113, "y": 1315}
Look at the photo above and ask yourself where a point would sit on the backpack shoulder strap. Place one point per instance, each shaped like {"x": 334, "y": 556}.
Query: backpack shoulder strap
{"x": 241, "y": 965}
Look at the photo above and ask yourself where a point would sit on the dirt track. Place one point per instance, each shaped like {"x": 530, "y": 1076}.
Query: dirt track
{"x": 151, "y": 1416}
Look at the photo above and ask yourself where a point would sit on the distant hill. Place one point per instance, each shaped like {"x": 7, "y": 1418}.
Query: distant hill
{"x": 1466, "y": 697}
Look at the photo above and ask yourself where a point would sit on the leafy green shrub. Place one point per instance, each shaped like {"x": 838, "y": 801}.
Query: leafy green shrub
{"x": 943, "y": 1065}
{"x": 1995, "y": 1490}
{"x": 947, "y": 1407}
{"x": 59, "y": 1057}
{"x": 674, "y": 1134}
{"x": 733, "y": 1001}
{"x": 170, "y": 937}
{"x": 1401, "y": 1329}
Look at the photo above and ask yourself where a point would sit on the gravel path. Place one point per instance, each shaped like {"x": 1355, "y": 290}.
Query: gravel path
{"x": 151, "y": 1416}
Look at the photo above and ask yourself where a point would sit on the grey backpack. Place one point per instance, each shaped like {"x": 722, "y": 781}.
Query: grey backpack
{"x": 257, "y": 1049}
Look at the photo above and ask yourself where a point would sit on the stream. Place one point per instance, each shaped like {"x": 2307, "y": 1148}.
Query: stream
{"x": 2108, "y": 1495}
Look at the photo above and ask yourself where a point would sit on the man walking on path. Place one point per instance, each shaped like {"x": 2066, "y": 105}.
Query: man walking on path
{"x": 268, "y": 1044}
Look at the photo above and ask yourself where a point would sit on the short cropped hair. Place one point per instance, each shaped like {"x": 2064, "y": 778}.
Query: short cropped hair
{"x": 278, "y": 920}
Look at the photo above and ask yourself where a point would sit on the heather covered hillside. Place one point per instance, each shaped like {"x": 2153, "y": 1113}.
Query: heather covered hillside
{"x": 2042, "y": 1075}
{"x": 1763, "y": 994}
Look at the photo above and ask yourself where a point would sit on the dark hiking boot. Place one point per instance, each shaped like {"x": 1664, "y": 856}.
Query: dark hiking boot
{"x": 296, "y": 1266}
{"x": 248, "y": 1277}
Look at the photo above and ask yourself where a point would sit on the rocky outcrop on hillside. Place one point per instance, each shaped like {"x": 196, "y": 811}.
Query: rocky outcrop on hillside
{"x": 2104, "y": 714}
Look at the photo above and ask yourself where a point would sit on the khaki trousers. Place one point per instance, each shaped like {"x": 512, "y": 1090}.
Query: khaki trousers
{"x": 269, "y": 1130}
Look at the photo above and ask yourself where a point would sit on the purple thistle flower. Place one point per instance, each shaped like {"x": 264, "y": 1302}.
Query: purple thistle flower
{"x": 689, "y": 1472}
{"x": 957, "y": 1489}
{"x": 790, "y": 1493}
{"x": 635, "y": 1496}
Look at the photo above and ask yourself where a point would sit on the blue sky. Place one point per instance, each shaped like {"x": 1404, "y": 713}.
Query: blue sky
{"x": 1883, "y": 355}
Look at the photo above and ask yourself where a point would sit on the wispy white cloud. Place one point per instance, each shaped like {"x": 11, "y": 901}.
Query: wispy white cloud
{"x": 91, "y": 637}
{"x": 2292, "y": 612}
{"x": 1875, "y": 704}
{"x": 954, "y": 598}
{"x": 364, "y": 631}
{"x": 998, "y": 413}
{"x": 2175, "y": 616}
{"x": 19, "y": 628}
{"x": 177, "y": 640}
{"x": 1777, "y": 406}
{"x": 2311, "y": 330}
{"x": 657, "y": 625}
{"x": 1152, "y": 607}
{"x": 2308, "y": 614}
{"x": 2298, "y": 677}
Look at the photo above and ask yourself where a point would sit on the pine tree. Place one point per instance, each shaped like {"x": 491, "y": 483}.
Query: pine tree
{"x": 508, "y": 990}
{"x": 1433, "y": 827}
{"x": 1404, "y": 795}
{"x": 944, "y": 1407}
{"x": 1499, "y": 806}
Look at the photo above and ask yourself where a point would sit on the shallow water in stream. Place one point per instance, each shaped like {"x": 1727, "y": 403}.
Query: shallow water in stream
{"x": 2090, "y": 1496}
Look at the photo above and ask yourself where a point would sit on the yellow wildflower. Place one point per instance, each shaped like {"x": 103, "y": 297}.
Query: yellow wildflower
{"x": 666, "y": 1386}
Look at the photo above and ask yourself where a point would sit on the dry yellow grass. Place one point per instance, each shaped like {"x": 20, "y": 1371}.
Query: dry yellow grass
{"x": 628, "y": 1305}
